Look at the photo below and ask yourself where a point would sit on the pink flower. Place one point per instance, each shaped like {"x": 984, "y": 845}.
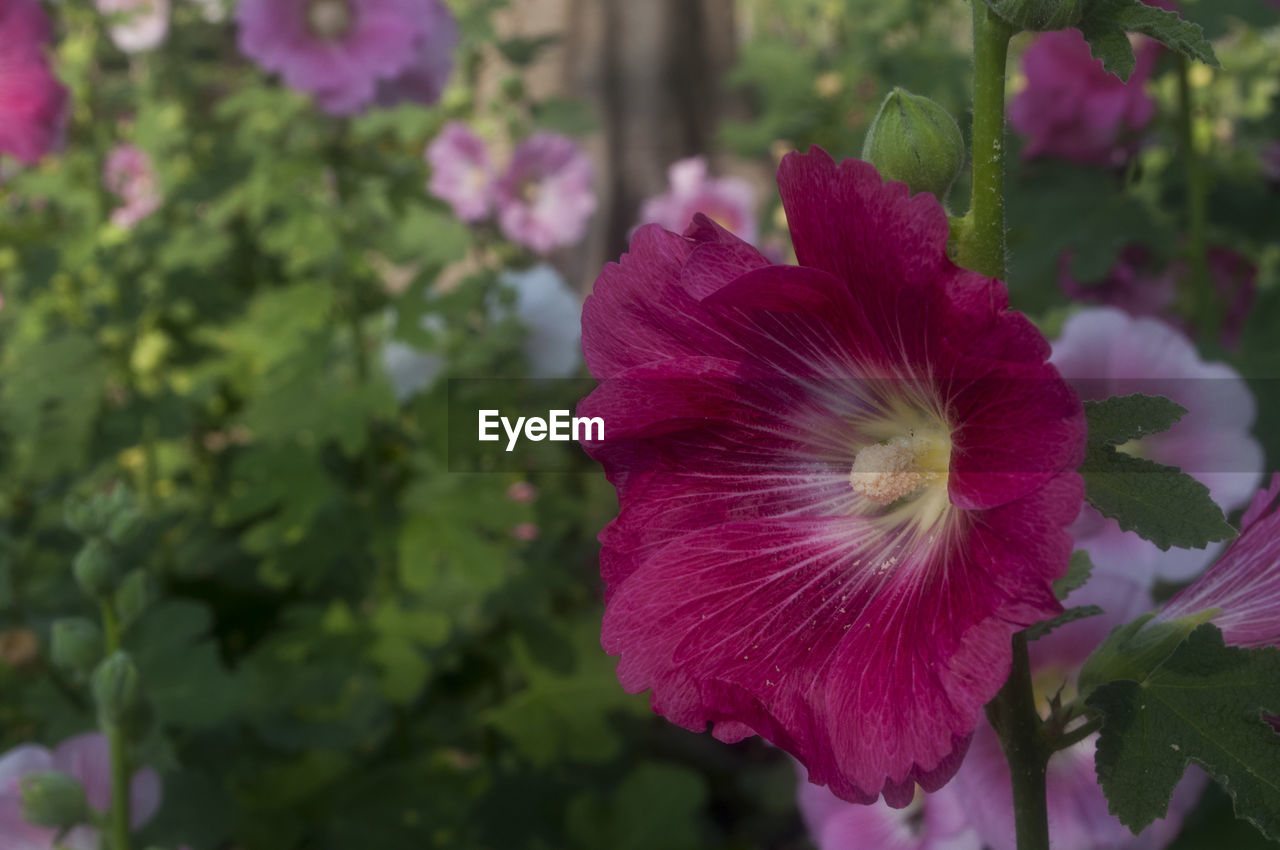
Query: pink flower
{"x": 1074, "y": 109}
{"x": 424, "y": 80}
{"x": 337, "y": 50}
{"x": 128, "y": 174}
{"x": 545, "y": 198}
{"x": 84, "y": 757}
{"x": 525, "y": 531}
{"x": 522, "y": 492}
{"x": 1078, "y": 814}
{"x": 1245, "y": 582}
{"x": 32, "y": 101}
{"x": 843, "y": 485}
{"x": 1138, "y": 287}
{"x": 136, "y": 25}
{"x": 930, "y": 822}
{"x": 728, "y": 201}
{"x": 1269, "y": 156}
{"x": 1103, "y": 352}
{"x": 461, "y": 172}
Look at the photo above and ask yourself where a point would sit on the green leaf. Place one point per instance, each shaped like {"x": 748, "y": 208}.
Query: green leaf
{"x": 1106, "y": 23}
{"x": 627, "y": 821}
{"x": 560, "y": 715}
{"x": 1204, "y": 704}
{"x": 1161, "y": 503}
{"x": 180, "y": 666}
{"x": 1070, "y": 615}
{"x": 1119, "y": 419}
{"x": 1079, "y": 568}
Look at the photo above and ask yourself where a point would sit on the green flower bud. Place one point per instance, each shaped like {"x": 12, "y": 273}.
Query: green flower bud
{"x": 117, "y": 691}
{"x": 133, "y": 597}
{"x": 915, "y": 140}
{"x": 77, "y": 646}
{"x": 1038, "y": 15}
{"x": 54, "y": 800}
{"x": 95, "y": 569}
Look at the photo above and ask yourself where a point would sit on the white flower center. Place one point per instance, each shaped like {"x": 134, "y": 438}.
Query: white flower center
{"x": 330, "y": 19}
{"x": 885, "y": 472}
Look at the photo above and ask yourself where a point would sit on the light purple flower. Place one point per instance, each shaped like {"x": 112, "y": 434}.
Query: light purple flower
{"x": 336, "y": 50}
{"x": 84, "y": 757}
{"x": 1102, "y": 352}
{"x": 461, "y": 172}
{"x": 728, "y": 201}
{"x": 1245, "y": 582}
{"x": 1073, "y": 109}
{"x": 423, "y": 81}
{"x": 545, "y": 198}
{"x": 136, "y": 25}
{"x": 1078, "y": 813}
{"x": 129, "y": 174}
{"x": 930, "y": 822}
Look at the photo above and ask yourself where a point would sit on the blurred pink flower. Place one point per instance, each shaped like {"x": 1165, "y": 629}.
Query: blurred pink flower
{"x": 1245, "y": 582}
{"x": 461, "y": 172}
{"x": 545, "y": 198}
{"x": 1137, "y": 286}
{"x": 525, "y": 531}
{"x": 423, "y": 81}
{"x": 1270, "y": 158}
{"x": 129, "y": 174}
{"x": 84, "y": 757}
{"x": 136, "y": 25}
{"x": 1073, "y": 109}
{"x": 337, "y": 50}
{"x": 32, "y": 101}
{"x": 522, "y": 492}
{"x": 728, "y": 201}
{"x": 1078, "y": 813}
{"x": 930, "y": 822}
{"x": 1103, "y": 352}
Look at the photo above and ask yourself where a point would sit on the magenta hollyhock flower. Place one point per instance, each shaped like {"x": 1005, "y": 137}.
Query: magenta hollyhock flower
{"x": 930, "y": 822}
{"x": 728, "y": 201}
{"x": 843, "y": 485}
{"x": 544, "y": 197}
{"x": 1235, "y": 280}
{"x": 1073, "y": 109}
{"x": 336, "y": 50}
{"x": 1244, "y": 585}
{"x": 32, "y": 101}
{"x": 136, "y": 25}
{"x": 129, "y": 174}
{"x": 423, "y": 81}
{"x": 1103, "y": 353}
{"x": 85, "y": 758}
{"x": 462, "y": 173}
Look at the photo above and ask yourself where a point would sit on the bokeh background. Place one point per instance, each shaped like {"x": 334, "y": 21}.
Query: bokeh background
{"x": 254, "y": 316}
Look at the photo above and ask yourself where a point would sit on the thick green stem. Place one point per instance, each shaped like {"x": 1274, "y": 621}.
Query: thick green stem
{"x": 1014, "y": 717}
{"x": 1198, "y": 300}
{"x": 118, "y": 817}
{"x": 983, "y": 247}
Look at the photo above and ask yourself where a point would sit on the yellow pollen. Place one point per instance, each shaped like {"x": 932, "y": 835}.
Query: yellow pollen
{"x": 885, "y": 472}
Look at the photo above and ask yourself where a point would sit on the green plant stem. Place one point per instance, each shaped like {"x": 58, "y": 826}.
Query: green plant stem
{"x": 1198, "y": 301}
{"x": 1075, "y": 736}
{"x": 1014, "y": 717}
{"x": 118, "y": 817}
{"x": 982, "y": 247}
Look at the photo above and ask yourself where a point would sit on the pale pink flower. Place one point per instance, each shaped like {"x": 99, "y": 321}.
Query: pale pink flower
{"x": 728, "y": 201}
{"x": 136, "y": 25}
{"x": 525, "y": 531}
{"x": 545, "y": 198}
{"x": 423, "y": 81}
{"x": 85, "y": 758}
{"x": 129, "y": 174}
{"x": 462, "y": 173}
{"x": 522, "y": 492}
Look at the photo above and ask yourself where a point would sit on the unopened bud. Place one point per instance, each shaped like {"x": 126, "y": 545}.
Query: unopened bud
{"x": 95, "y": 569}
{"x": 54, "y": 800}
{"x": 1038, "y": 15}
{"x": 916, "y": 141}
{"x": 117, "y": 691}
{"x": 76, "y": 646}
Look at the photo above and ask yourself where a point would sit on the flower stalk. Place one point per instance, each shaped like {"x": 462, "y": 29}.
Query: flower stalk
{"x": 118, "y": 816}
{"x": 1198, "y": 301}
{"x": 981, "y": 247}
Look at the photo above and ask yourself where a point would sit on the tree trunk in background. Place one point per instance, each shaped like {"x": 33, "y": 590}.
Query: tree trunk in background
{"x": 654, "y": 72}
